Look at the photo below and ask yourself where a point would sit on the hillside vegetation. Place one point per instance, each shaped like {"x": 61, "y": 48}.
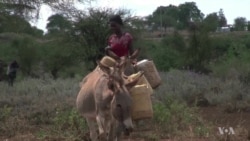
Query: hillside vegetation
{"x": 205, "y": 72}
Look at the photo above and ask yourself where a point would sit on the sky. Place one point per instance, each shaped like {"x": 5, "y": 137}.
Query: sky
{"x": 232, "y": 8}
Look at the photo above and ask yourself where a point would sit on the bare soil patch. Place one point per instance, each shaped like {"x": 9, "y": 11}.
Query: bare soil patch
{"x": 217, "y": 116}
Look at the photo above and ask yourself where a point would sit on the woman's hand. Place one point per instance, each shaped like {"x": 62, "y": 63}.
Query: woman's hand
{"x": 107, "y": 48}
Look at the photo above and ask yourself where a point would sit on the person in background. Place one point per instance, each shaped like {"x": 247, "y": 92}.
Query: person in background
{"x": 11, "y": 72}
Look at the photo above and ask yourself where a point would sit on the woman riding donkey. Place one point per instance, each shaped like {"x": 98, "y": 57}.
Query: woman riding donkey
{"x": 120, "y": 42}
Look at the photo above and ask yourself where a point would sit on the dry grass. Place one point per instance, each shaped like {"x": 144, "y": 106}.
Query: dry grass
{"x": 193, "y": 88}
{"x": 45, "y": 108}
{"x": 36, "y": 104}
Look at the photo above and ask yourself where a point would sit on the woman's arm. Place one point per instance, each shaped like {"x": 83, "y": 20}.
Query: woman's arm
{"x": 130, "y": 48}
{"x": 130, "y": 44}
{"x": 131, "y": 51}
{"x": 106, "y": 49}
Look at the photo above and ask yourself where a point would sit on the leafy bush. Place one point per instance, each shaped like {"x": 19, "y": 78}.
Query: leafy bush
{"x": 235, "y": 63}
{"x": 5, "y": 113}
{"x": 198, "y": 53}
{"x": 70, "y": 120}
{"x": 175, "y": 117}
{"x": 168, "y": 53}
{"x": 27, "y": 54}
{"x": 69, "y": 123}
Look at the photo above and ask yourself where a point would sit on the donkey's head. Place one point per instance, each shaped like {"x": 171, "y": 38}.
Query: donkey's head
{"x": 129, "y": 60}
{"x": 121, "y": 102}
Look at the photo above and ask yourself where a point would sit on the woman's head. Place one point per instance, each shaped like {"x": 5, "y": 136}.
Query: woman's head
{"x": 116, "y": 23}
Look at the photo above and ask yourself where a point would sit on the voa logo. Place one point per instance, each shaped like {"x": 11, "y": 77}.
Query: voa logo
{"x": 226, "y": 131}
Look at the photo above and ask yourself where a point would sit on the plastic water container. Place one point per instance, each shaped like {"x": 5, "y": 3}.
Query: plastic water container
{"x": 142, "y": 104}
{"x": 142, "y": 81}
{"x": 150, "y": 72}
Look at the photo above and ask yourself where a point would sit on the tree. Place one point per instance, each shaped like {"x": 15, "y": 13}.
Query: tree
{"x": 240, "y": 23}
{"x": 198, "y": 53}
{"x": 29, "y": 9}
{"x": 21, "y": 8}
{"x": 137, "y": 23}
{"x": 164, "y": 16}
{"x": 62, "y": 50}
{"x": 188, "y": 12}
{"x": 92, "y": 32}
{"x": 222, "y": 18}
{"x": 248, "y": 25}
{"x": 60, "y": 54}
{"x": 17, "y": 24}
{"x": 27, "y": 54}
{"x": 58, "y": 24}
{"x": 211, "y": 22}
{"x": 81, "y": 40}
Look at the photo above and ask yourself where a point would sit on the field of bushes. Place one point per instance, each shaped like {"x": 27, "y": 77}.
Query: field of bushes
{"x": 205, "y": 85}
{"x": 45, "y": 108}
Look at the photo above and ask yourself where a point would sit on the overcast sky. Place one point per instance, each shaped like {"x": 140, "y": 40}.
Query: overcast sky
{"x": 232, "y": 8}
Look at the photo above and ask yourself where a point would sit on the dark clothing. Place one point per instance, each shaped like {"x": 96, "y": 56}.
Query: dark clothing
{"x": 11, "y": 72}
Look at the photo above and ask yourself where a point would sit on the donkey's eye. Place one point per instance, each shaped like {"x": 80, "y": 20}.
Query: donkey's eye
{"x": 119, "y": 105}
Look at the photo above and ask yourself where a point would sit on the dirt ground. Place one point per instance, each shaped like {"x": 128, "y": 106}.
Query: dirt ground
{"x": 239, "y": 121}
{"x": 221, "y": 117}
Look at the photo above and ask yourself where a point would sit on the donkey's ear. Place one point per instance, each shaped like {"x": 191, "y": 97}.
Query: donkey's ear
{"x": 104, "y": 68}
{"x": 122, "y": 63}
{"x": 135, "y": 53}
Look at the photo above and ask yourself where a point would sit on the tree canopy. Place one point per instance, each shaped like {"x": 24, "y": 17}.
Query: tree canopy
{"x": 77, "y": 37}
{"x": 222, "y": 18}
{"x": 176, "y": 16}
{"x": 29, "y": 9}
{"x": 240, "y": 23}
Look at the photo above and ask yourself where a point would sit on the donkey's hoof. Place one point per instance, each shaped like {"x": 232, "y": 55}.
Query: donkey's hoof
{"x": 102, "y": 137}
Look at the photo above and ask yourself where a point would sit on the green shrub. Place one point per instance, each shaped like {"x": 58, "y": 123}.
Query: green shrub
{"x": 175, "y": 117}
{"x": 167, "y": 53}
{"x": 220, "y": 45}
{"x": 234, "y": 64}
{"x": 69, "y": 120}
{"x": 27, "y": 54}
{"x": 198, "y": 52}
{"x": 5, "y": 112}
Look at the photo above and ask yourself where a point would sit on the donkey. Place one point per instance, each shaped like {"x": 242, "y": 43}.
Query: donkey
{"x": 104, "y": 99}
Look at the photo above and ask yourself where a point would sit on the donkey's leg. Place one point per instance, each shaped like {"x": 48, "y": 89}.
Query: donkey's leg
{"x": 115, "y": 131}
{"x": 118, "y": 131}
{"x": 92, "y": 129}
{"x": 112, "y": 130}
{"x": 101, "y": 126}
